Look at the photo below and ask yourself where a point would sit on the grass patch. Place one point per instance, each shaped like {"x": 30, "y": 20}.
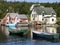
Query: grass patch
{"x": 58, "y": 19}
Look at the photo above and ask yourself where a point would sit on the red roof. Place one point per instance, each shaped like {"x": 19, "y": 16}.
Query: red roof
{"x": 23, "y": 18}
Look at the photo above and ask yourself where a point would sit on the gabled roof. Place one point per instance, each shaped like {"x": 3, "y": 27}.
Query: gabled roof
{"x": 22, "y": 16}
{"x": 34, "y": 5}
{"x": 13, "y": 15}
{"x": 47, "y": 10}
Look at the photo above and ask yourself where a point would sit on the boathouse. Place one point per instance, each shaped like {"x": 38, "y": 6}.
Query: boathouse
{"x": 14, "y": 17}
{"x": 23, "y": 18}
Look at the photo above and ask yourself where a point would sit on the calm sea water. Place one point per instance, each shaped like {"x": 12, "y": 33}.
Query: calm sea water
{"x": 6, "y": 39}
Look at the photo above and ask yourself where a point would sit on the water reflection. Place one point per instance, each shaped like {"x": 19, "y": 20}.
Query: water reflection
{"x": 38, "y": 32}
{"x": 51, "y": 30}
{"x": 16, "y": 40}
{"x": 3, "y": 34}
{"x": 46, "y": 29}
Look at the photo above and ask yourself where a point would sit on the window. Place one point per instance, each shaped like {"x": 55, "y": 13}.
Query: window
{"x": 52, "y": 19}
{"x": 33, "y": 15}
{"x": 20, "y": 21}
{"x": 33, "y": 18}
{"x": 52, "y": 14}
{"x": 43, "y": 14}
{"x": 42, "y": 19}
{"x": 52, "y": 31}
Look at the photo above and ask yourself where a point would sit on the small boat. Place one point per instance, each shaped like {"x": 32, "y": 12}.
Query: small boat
{"x": 45, "y": 36}
{"x": 19, "y": 32}
{"x": 14, "y": 31}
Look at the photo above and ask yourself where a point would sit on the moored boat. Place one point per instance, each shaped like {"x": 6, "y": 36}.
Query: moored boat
{"x": 19, "y": 32}
{"x": 45, "y": 36}
{"x": 14, "y": 31}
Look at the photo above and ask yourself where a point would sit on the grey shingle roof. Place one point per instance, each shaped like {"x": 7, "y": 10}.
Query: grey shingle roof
{"x": 22, "y": 16}
{"x": 13, "y": 15}
{"x": 47, "y": 10}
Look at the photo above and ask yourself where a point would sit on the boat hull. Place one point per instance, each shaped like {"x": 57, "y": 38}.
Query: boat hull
{"x": 45, "y": 37}
{"x": 19, "y": 32}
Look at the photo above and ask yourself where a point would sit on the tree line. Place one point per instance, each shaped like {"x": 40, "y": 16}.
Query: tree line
{"x": 23, "y": 7}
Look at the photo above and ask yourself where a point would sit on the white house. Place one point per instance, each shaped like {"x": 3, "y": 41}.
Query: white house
{"x": 42, "y": 14}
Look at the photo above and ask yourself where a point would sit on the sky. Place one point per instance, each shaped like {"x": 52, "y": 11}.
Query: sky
{"x": 37, "y": 0}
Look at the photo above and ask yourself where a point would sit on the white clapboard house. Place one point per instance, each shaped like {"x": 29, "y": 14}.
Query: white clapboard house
{"x": 41, "y": 14}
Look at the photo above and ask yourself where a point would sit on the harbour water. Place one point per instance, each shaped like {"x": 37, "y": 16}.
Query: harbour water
{"x": 6, "y": 39}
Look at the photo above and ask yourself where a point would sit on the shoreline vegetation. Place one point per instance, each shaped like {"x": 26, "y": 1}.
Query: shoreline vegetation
{"x": 24, "y": 8}
{"x": 58, "y": 20}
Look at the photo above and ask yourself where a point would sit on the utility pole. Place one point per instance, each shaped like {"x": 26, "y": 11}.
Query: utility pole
{"x": 24, "y": 1}
{"x": 38, "y": 1}
{"x": 14, "y": 5}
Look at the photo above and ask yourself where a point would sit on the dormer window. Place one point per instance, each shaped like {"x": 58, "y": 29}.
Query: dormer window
{"x": 43, "y": 13}
{"x": 52, "y": 13}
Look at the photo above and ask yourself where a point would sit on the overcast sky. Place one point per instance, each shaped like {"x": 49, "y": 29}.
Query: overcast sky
{"x": 36, "y": 0}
